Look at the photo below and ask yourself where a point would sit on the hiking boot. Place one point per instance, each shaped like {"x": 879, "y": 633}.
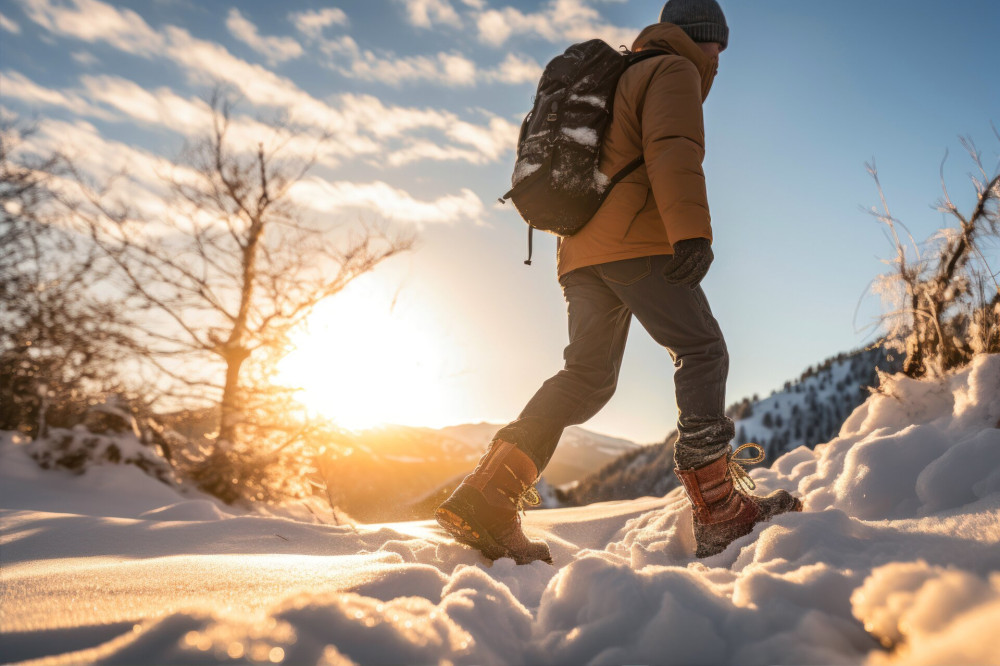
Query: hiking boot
{"x": 724, "y": 510}
{"x": 484, "y": 511}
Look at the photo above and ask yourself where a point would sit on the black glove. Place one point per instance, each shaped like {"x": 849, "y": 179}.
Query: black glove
{"x": 692, "y": 257}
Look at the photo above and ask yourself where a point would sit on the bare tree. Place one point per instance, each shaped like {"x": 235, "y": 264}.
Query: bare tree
{"x": 944, "y": 300}
{"x": 230, "y": 264}
{"x": 58, "y": 339}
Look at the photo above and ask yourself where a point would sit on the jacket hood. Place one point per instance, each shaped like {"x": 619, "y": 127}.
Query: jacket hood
{"x": 669, "y": 37}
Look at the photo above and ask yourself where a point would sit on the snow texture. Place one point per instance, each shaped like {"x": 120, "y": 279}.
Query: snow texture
{"x": 78, "y": 448}
{"x": 893, "y": 561}
{"x": 593, "y": 100}
{"x": 524, "y": 169}
{"x": 585, "y": 136}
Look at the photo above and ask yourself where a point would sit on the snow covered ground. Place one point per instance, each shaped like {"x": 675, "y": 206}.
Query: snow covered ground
{"x": 896, "y": 559}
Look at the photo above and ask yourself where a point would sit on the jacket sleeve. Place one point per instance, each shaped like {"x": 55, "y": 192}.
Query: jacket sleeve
{"x": 673, "y": 145}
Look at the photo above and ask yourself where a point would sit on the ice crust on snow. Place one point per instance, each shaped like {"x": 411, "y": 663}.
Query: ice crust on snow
{"x": 894, "y": 560}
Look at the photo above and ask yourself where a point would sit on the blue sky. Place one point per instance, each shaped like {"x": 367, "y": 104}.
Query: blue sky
{"x": 423, "y": 98}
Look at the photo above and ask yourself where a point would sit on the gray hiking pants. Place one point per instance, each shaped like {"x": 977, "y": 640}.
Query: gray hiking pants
{"x": 601, "y": 301}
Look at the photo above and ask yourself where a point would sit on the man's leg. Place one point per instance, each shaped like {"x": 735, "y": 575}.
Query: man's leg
{"x": 598, "y": 329}
{"x": 679, "y": 318}
{"x": 483, "y": 511}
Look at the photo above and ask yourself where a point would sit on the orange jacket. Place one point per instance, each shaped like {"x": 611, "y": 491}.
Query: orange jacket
{"x": 657, "y": 111}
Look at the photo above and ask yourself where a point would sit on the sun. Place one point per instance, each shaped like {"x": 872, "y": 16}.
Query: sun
{"x": 369, "y": 357}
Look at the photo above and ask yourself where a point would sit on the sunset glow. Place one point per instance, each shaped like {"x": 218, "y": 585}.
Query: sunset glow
{"x": 369, "y": 357}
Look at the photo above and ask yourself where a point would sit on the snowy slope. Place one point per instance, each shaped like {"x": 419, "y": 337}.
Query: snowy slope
{"x": 812, "y": 408}
{"x": 805, "y": 412}
{"x": 894, "y": 560}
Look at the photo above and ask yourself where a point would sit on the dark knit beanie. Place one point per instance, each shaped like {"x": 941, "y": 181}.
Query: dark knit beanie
{"x": 702, "y": 20}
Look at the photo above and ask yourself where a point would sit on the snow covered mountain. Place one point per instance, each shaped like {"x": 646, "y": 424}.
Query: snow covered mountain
{"x": 805, "y": 412}
{"x": 893, "y": 561}
{"x": 403, "y": 473}
{"x": 579, "y": 454}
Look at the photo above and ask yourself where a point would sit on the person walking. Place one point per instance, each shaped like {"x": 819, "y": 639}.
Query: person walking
{"x": 643, "y": 254}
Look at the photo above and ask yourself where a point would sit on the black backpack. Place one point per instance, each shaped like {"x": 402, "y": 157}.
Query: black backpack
{"x": 556, "y": 185}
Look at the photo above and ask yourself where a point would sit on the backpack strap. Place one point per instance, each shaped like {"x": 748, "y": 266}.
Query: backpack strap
{"x": 632, "y": 58}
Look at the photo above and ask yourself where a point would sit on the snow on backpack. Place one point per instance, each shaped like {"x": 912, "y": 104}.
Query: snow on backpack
{"x": 556, "y": 186}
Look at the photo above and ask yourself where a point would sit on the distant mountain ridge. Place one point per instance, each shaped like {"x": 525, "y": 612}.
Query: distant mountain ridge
{"x": 805, "y": 412}
{"x": 402, "y": 473}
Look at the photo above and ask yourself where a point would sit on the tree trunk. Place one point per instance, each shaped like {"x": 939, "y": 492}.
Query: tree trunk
{"x": 231, "y": 416}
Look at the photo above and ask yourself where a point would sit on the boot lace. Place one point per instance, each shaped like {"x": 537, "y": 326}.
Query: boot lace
{"x": 527, "y": 497}
{"x": 737, "y": 468}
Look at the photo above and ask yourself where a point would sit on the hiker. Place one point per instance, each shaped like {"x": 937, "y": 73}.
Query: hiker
{"x": 643, "y": 253}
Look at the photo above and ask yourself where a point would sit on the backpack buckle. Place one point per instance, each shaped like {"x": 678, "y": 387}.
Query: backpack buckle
{"x": 552, "y": 117}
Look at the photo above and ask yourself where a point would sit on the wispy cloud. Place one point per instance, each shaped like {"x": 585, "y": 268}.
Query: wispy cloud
{"x": 385, "y": 201}
{"x": 9, "y": 25}
{"x": 386, "y": 122}
{"x": 17, "y": 86}
{"x": 160, "y": 107}
{"x": 85, "y": 58}
{"x": 357, "y": 127}
{"x": 451, "y": 69}
{"x": 558, "y": 21}
{"x": 275, "y": 49}
{"x": 516, "y": 69}
{"x": 94, "y": 21}
{"x": 425, "y": 13}
{"x": 311, "y": 23}
{"x": 349, "y": 59}
{"x": 128, "y": 174}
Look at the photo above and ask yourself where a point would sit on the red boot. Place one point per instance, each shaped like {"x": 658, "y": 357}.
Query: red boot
{"x": 723, "y": 510}
{"x": 483, "y": 510}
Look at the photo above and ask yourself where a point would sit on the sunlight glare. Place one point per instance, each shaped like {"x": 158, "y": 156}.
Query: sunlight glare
{"x": 370, "y": 357}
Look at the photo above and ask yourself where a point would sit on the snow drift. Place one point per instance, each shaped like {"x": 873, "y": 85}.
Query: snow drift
{"x": 894, "y": 560}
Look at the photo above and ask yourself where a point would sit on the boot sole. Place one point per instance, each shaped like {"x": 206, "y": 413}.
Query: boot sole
{"x": 469, "y": 532}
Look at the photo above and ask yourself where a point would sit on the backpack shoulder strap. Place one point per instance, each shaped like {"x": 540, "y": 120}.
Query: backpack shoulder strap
{"x": 631, "y": 59}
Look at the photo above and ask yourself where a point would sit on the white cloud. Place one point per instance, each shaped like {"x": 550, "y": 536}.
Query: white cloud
{"x": 348, "y": 58}
{"x": 9, "y": 25}
{"x": 159, "y": 107}
{"x": 422, "y": 149}
{"x": 132, "y": 175}
{"x": 388, "y": 202}
{"x": 311, "y": 23}
{"x": 275, "y": 49}
{"x": 447, "y": 69}
{"x": 490, "y": 142}
{"x": 192, "y": 117}
{"x": 18, "y": 86}
{"x": 85, "y": 58}
{"x": 516, "y": 69}
{"x": 358, "y": 126}
{"x": 450, "y": 69}
{"x": 94, "y": 21}
{"x": 424, "y": 13}
{"x": 559, "y": 21}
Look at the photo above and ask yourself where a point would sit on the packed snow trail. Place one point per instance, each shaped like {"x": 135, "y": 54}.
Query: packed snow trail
{"x": 895, "y": 559}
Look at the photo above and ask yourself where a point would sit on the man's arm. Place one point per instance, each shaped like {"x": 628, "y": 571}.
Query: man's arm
{"x": 673, "y": 144}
